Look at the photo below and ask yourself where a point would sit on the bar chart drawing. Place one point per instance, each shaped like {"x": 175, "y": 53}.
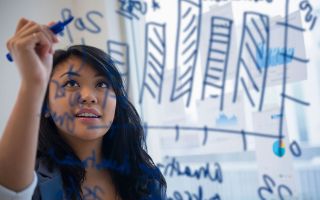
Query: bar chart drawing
{"x": 119, "y": 52}
{"x": 186, "y": 50}
{"x": 217, "y": 59}
{"x": 255, "y": 31}
{"x": 155, "y": 58}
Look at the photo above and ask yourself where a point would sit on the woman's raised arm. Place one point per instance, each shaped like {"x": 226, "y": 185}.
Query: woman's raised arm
{"x": 31, "y": 49}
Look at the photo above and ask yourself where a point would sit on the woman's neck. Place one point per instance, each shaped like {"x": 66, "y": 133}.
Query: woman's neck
{"x": 88, "y": 151}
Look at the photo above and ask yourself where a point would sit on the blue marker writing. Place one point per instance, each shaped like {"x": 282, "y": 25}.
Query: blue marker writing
{"x": 56, "y": 28}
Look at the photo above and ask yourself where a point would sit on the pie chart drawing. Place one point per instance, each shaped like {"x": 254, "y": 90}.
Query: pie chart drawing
{"x": 279, "y": 148}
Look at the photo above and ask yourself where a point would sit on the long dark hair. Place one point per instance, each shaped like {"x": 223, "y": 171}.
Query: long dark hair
{"x": 123, "y": 145}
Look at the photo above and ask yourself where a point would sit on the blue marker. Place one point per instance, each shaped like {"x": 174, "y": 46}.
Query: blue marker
{"x": 56, "y": 28}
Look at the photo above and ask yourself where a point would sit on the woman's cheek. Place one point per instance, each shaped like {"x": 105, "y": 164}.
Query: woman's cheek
{"x": 111, "y": 109}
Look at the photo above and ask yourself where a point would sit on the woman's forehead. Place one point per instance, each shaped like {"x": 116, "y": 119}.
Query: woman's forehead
{"x": 73, "y": 64}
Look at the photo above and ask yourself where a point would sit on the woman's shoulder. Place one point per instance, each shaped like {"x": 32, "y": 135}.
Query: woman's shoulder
{"x": 49, "y": 182}
{"x": 44, "y": 171}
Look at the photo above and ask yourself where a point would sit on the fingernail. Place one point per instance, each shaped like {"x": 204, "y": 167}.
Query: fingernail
{"x": 51, "y": 23}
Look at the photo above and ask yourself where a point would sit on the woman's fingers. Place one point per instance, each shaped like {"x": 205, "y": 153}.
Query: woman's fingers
{"x": 50, "y": 34}
{"x": 56, "y": 39}
{"x": 44, "y": 43}
{"x": 38, "y": 41}
{"x": 32, "y": 37}
{"x": 30, "y": 30}
{"x": 32, "y": 27}
{"x": 21, "y": 23}
{"x": 51, "y": 23}
{"x": 36, "y": 28}
{"x": 32, "y": 45}
{"x": 25, "y": 27}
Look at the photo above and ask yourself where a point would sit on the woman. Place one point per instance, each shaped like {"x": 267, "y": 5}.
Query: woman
{"x": 90, "y": 140}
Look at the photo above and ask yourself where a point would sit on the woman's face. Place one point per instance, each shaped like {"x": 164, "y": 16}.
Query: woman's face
{"x": 81, "y": 102}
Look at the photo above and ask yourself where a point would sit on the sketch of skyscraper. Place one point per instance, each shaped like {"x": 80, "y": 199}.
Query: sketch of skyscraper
{"x": 217, "y": 59}
{"x": 255, "y": 31}
{"x": 155, "y": 57}
{"x": 119, "y": 53}
{"x": 186, "y": 52}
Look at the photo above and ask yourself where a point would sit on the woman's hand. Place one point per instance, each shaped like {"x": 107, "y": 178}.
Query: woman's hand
{"x": 32, "y": 48}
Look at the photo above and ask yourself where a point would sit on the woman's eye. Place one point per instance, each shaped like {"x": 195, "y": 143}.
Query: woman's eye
{"x": 71, "y": 83}
{"x": 103, "y": 84}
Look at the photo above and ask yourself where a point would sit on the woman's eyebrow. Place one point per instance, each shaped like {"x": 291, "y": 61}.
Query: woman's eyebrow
{"x": 99, "y": 74}
{"x": 70, "y": 73}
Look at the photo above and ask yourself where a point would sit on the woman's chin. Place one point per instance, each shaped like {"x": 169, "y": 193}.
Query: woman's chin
{"x": 83, "y": 135}
{"x": 83, "y": 132}
{"x": 89, "y": 135}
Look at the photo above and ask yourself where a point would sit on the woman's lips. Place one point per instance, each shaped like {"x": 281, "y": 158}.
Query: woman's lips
{"x": 88, "y": 120}
{"x": 88, "y": 111}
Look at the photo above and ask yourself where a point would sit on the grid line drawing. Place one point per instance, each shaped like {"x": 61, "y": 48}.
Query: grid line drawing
{"x": 286, "y": 56}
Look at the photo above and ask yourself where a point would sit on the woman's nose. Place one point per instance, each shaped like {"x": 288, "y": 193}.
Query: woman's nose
{"x": 87, "y": 97}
